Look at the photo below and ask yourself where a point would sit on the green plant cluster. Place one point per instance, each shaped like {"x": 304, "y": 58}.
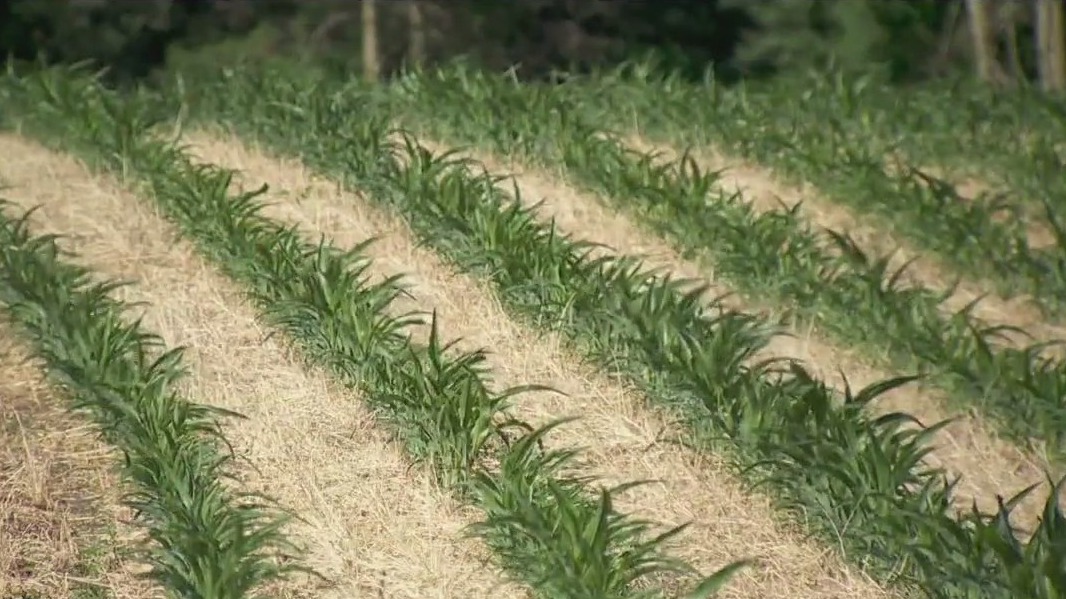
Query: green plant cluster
{"x": 828, "y": 279}
{"x": 859, "y": 481}
{"x": 1013, "y": 143}
{"x": 548, "y": 527}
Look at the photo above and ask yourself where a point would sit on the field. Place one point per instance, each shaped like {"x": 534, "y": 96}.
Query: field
{"x": 272, "y": 333}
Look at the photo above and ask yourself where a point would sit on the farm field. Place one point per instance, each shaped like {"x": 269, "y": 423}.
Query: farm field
{"x": 448, "y": 324}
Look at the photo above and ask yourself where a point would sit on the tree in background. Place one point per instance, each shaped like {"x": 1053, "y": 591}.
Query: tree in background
{"x": 129, "y": 36}
{"x": 371, "y": 62}
{"x": 996, "y": 31}
{"x": 907, "y": 40}
{"x": 983, "y": 43}
{"x": 416, "y": 27}
{"x": 1051, "y": 45}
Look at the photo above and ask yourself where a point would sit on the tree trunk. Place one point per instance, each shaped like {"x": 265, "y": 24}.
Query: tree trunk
{"x": 1009, "y": 14}
{"x": 1051, "y": 47}
{"x": 371, "y": 60}
{"x": 416, "y": 50}
{"x": 984, "y": 49}
{"x": 947, "y": 36}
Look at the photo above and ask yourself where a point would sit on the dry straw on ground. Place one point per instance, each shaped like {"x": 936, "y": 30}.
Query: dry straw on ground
{"x": 60, "y": 511}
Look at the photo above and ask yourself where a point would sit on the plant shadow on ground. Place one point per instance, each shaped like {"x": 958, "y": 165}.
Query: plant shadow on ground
{"x": 58, "y": 496}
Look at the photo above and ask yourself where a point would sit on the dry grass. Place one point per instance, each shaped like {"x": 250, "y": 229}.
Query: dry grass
{"x": 60, "y": 508}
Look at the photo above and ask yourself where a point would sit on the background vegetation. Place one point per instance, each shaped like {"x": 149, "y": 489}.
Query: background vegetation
{"x": 1003, "y": 41}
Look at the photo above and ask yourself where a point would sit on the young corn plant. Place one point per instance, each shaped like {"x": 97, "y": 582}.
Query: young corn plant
{"x": 449, "y": 419}
{"x": 205, "y": 541}
{"x": 858, "y": 479}
{"x": 439, "y": 403}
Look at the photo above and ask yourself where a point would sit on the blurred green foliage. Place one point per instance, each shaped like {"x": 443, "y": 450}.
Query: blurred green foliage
{"x": 904, "y": 39}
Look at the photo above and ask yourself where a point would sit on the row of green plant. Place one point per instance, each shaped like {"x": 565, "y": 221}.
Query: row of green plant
{"x": 1004, "y": 138}
{"x": 1021, "y": 158}
{"x": 1007, "y": 137}
{"x": 544, "y": 522}
{"x": 858, "y": 481}
{"x": 954, "y": 121}
{"x": 204, "y": 540}
{"x": 829, "y": 280}
{"x": 807, "y": 137}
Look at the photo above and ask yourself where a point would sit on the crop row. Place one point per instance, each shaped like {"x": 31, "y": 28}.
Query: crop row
{"x": 1014, "y": 136}
{"x": 858, "y": 481}
{"x": 1001, "y": 138}
{"x": 1012, "y": 139}
{"x": 832, "y": 283}
{"x": 950, "y": 120}
{"x": 547, "y": 528}
{"x": 849, "y": 473}
{"x": 205, "y": 541}
{"x": 808, "y": 137}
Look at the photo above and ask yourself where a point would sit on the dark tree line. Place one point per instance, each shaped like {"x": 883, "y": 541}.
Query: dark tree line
{"x": 907, "y": 40}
